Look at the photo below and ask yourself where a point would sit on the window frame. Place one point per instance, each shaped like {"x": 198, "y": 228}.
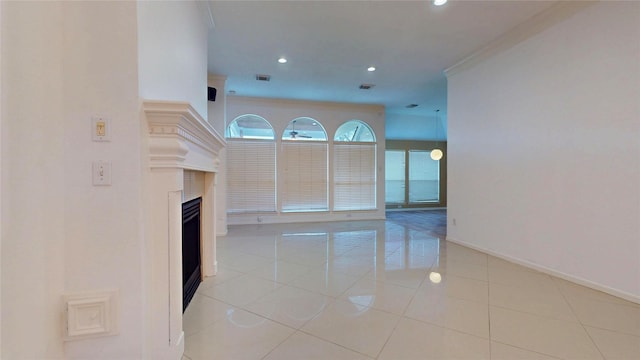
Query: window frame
{"x": 406, "y": 146}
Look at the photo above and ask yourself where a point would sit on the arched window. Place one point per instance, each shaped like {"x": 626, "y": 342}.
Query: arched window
{"x": 304, "y": 128}
{"x": 251, "y": 165}
{"x": 354, "y": 131}
{"x": 354, "y": 178}
{"x": 249, "y": 126}
{"x": 304, "y": 161}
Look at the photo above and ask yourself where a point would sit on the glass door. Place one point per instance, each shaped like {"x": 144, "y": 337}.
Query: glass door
{"x": 424, "y": 178}
{"x": 395, "y": 177}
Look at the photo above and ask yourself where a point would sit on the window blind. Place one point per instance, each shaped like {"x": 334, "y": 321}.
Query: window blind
{"x": 354, "y": 177}
{"x": 251, "y": 177}
{"x": 304, "y": 166}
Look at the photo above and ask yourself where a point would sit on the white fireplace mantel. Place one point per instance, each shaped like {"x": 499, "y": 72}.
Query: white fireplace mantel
{"x": 178, "y": 139}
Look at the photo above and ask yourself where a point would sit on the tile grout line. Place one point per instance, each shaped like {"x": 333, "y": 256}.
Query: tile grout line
{"x": 446, "y": 327}
{"x": 529, "y": 350}
{"x": 547, "y": 317}
{"x": 333, "y": 343}
{"x": 389, "y": 337}
{"x": 578, "y": 317}
{"x": 279, "y": 344}
{"x": 501, "y": 307}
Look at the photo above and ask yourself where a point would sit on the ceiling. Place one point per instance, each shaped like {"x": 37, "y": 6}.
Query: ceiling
{"x": 330, "y": 44}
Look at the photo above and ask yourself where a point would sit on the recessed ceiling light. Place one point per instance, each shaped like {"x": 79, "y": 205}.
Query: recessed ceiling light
{"x": 439, "y": 2}
{"x": 282, "y": 60}
{"x": 371, "y": 68}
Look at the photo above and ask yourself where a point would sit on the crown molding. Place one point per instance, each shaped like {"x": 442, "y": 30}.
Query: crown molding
{"x": 207, "y": 13}
{"x": 180, "y": 138}
{"x": 538, "y": 23}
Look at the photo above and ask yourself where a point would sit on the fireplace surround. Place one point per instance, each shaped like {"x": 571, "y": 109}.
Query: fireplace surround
{"x": 177, "y": 139}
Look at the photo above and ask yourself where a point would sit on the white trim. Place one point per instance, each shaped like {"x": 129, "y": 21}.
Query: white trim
{"x": 180, "y": 346}
{"x": 208, "y": 232}
{"x": 174, "y": 262}
{"x": 553, "y": 272}
{"x": 180, "y": 138}
{"x": 91, "y": 314}
{"x": 538, "y": 23}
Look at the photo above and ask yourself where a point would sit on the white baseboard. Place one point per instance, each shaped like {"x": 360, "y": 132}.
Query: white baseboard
{"x": 222, "y": 233}
{"x": 180, "y": 346}
{"x": 575, "y": 279}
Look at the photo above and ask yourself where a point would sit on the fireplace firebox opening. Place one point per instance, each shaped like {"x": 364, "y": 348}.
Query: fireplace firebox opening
{"x": 191, "y": 257}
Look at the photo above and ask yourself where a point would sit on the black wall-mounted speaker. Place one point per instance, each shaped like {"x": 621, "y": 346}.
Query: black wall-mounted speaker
{"x": 212, "y": 94}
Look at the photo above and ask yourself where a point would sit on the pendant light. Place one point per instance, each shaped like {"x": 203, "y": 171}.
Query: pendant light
{"x": 436, "y": 153}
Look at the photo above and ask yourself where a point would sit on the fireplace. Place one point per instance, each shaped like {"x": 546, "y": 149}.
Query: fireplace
{"x": 191, "y": 258}
{"x": 178, "y": 140}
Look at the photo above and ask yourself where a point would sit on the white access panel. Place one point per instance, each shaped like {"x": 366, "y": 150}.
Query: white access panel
{"x": 91, "y": 314}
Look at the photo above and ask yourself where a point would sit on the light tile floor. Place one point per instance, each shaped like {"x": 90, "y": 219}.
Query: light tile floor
{"x": 396, "y": 290}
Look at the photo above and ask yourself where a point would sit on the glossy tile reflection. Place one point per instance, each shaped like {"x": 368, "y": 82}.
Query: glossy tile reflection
{"x": 393, "y": 289}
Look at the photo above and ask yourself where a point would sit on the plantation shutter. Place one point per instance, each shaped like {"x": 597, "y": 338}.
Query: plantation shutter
{"x": 304, "y": 167}
{"x": 354, "y": 177}
{"x": 251, "y": 176}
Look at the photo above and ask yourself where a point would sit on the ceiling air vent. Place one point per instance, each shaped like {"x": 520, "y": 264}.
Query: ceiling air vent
{"x": 411, "y": 106}
{"x": 366, "y": 86}
{"x": 261, "y": 77}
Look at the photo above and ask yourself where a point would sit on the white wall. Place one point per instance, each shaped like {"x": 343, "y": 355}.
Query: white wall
{"x": 103, "y": 232}
{"x": 217, "y": 117}
{"x": 217, "y": 109}
{"x": 62, "y": 64}
{"x": 544, "y": 150}
{"x": 331, "y": 115}
{"x": 414, "y": 127}
{"x": 1, "y": 218}
{"x": 172, "y": 39}
{"x": 33, "y": 180}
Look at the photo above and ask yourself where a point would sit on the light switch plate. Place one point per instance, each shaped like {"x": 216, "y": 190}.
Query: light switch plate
{"x": 91, "y": 314}
{"x": 101, "y": 173}
{"x": 101, "y": 128}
